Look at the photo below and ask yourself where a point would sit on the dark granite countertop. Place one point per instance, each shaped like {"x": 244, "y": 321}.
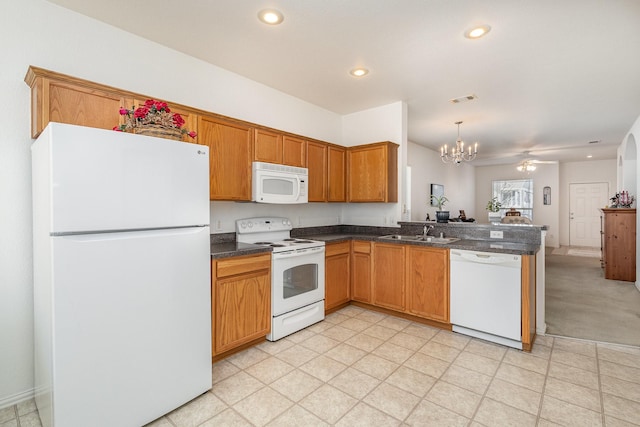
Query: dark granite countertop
{"x": 229, "y": 249}
{"x": 464, "y": 244}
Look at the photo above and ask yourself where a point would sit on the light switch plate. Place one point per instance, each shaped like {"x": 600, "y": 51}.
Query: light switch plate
{"x": 495, "y": 234}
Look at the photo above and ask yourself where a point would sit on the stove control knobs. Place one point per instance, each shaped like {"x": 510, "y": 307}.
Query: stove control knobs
{"x": 243, "y": 224}
{"x": 250, "y": 224}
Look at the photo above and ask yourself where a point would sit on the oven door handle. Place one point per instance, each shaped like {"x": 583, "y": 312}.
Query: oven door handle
{"x": 297, "y": 253}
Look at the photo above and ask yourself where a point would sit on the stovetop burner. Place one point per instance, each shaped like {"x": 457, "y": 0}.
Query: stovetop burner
{"x": 273, "y": 232}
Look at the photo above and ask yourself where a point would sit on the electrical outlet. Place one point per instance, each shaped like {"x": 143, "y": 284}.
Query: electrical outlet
{"x": 338, "y": 220}
{"x": 218, "y": 225}
{"x": 384, "y": 220}
{"x": 495, "y": 234}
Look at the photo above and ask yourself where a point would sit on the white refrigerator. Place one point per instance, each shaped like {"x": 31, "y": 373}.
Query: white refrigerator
{"x": 122, "y": 307}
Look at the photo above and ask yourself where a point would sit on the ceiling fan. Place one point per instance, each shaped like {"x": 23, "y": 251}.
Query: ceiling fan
{"x": 529, "y": 164}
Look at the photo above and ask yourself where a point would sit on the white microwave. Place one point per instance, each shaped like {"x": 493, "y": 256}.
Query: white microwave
{"x": 273, "y": 183}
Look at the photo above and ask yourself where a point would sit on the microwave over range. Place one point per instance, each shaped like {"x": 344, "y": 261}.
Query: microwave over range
{"x": 273, "y": 183}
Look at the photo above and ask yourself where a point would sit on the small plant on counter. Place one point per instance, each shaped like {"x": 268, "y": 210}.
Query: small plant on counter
{"x": 494, "y": 205}
{"x": 152, "y": 112}
{"x": 440, "y": 201}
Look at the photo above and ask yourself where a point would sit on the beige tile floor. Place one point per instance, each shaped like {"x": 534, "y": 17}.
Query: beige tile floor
{"x": 363, "y": 368}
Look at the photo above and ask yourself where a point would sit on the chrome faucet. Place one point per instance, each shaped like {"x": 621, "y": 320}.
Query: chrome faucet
{"x": 425, "y": 230}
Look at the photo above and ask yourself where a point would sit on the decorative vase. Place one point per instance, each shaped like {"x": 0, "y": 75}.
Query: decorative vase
{"x": 442, "y": 216}
{"x": 159, "y": 131}
{"x": 494, "y": 217}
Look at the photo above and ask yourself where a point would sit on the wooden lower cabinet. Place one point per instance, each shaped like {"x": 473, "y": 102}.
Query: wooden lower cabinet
{"x": 336, "y": 276}
{"x": 428, "y": 283}
{"x": 389, "y": 276}
{"x": 241, "y": 301}
{"x": 361, "y": 271}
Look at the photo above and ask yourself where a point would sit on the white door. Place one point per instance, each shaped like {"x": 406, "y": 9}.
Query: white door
{"x": 585, "y": 202}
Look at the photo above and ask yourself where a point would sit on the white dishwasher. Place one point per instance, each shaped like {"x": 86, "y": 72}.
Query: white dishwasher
{"x": 486, "y": 296}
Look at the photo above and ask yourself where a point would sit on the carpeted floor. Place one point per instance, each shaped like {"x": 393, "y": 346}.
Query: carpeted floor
{"x": 581, "y": 303}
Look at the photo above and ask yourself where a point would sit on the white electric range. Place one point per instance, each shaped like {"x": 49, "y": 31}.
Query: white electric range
{"x": 297, "y": 273}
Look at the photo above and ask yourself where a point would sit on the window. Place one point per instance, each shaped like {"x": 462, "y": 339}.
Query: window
{"x": 515, "y": 193}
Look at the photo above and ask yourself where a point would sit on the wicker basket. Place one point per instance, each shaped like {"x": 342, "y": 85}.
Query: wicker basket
{"x": 159, "y": 131}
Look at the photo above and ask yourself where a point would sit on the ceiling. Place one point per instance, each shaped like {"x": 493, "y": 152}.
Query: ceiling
{"x": 550, "y": 76}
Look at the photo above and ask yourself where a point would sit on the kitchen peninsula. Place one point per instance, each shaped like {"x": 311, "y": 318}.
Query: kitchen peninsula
{"x": 410, "y": 278}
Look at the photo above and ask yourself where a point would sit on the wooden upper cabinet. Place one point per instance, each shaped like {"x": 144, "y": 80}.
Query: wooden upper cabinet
{"x": 230, "y": 157}
{"x": 294, "y": 151}
{"x": 274, "y": 147}
{"x": 65, "y": 99}
{"x": 267, "y": 146}
{"x": 337, "y": 174}
{"x": 428, "y": 283}
{"x": 317, "y": 165}
{"x": 373, "y": 173}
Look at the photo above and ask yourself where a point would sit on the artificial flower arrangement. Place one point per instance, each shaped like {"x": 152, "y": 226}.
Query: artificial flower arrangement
{"x": 152, "y": 112}
{"x": 622, "y": 200}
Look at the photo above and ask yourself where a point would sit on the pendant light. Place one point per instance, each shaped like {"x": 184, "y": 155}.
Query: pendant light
{"x": 457, "y": 154}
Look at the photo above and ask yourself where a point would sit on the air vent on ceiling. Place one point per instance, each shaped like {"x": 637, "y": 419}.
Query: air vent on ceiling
{"x": 595, "y": 141}
{"x": 463, "y": 99}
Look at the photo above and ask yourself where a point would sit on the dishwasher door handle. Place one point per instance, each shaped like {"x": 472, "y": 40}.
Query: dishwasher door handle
{"x": 483, "y": 258}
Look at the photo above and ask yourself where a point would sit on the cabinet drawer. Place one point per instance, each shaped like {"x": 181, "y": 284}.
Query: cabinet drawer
{"x": 336, "y": 249}
{"x": 242, "y": 264}
{"x": 362, "y": 247}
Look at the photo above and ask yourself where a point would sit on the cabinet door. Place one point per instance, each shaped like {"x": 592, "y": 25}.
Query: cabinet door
{"x": 372, "y": 173}
{"x": 76, "y": 105}
{"x": 428, "y": 283}
{"x": 337, "y": 174}
{"x": 361, "y": 271}
{"x": 337, "y": 273}
{"x": 243, "y": 309}
{"x": 294, "y": 151}
{"x": 241, "y": 300}
{"x": 267, "y": 146}
{"x": 317, "y": 165}
{"x": 229, "y": 158}
{"x": 389, "y": 276}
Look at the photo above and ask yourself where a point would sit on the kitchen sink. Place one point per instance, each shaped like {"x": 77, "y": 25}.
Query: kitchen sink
{"x": 420, "y": 238}
{"x": 401, "y": 237}
{"x": 441, "y": 240}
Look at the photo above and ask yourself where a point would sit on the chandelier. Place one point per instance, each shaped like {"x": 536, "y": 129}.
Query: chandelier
{"x": 457, "y": 154}
{"x": 526, "y": 166}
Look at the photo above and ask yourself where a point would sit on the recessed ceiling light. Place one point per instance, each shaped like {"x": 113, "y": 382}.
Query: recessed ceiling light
{"x": 270, "y": 16}
{"x": 589, "y": 156}
{"x": 359, "y": 72}
{"x": 477, "y": 32}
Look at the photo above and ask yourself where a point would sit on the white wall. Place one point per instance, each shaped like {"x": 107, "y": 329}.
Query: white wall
{"x": 581, "y": 172}
{"x": 458, "y": 181}
{"x": 544, "y": 175}
{"x": 45, "y": 35}
{"x": 632, "y": 137}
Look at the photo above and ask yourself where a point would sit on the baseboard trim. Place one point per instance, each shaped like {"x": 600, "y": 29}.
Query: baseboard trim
{"x": 543, "y": 330}
{"x": 14, "y": 399}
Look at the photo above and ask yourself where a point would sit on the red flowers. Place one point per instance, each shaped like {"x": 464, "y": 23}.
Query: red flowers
{"x": 152, "y": 112}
